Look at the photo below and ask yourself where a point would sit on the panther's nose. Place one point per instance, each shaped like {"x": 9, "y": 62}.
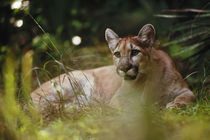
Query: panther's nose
{"x": 125, "y": 68}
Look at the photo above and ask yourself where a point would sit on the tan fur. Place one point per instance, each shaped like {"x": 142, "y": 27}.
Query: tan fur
{"x": 141, "y": 70}
{"x": 100, "y": 83}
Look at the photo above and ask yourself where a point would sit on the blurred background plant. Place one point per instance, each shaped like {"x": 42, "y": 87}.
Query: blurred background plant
{"x": 35, "y": 33}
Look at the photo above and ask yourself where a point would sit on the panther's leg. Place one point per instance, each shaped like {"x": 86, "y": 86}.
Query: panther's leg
{"x": 181, "y": 100}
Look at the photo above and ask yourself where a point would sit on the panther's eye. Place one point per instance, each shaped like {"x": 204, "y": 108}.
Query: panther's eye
{"x": 134, "y": 52}
{"x": 117, "y": 54}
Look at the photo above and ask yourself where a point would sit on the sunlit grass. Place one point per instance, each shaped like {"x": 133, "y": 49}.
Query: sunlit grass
{"x": 27, "y": 64}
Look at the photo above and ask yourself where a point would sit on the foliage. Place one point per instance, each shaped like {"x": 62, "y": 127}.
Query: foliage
{"x": 191, "y": 39}
{"x": 190, "y": 42}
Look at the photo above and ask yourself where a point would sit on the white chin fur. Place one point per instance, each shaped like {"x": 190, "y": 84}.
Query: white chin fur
{"x": 131, "y": 72}
{"x": 121, "y": 73}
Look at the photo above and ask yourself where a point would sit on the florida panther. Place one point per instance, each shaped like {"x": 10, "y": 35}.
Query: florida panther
{"x": 138, "y": 68}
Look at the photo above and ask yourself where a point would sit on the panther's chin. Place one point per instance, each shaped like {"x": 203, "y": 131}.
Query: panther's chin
{"x": 129, "y": 77}
{"x": 131, "y": 74}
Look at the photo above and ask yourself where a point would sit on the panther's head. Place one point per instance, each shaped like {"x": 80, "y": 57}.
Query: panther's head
{"x": 131, "y": 53}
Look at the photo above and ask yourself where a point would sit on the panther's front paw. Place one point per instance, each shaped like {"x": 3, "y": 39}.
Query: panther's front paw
{"x": 174, "y": 104}
{"x": 171, "y": 105}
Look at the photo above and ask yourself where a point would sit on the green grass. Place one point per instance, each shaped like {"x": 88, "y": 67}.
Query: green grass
{"x": 103, "y": 122}
{"x": 100, "y": 122}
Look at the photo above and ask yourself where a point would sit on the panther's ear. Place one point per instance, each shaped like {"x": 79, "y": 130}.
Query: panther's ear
{"x": 112, "y": 39}
{"x": 147, "y": 34}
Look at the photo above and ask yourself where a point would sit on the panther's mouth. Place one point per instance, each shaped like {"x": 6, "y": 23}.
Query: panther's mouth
{"x": 131, "y": 74}
{"x": 129, "y": 77}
